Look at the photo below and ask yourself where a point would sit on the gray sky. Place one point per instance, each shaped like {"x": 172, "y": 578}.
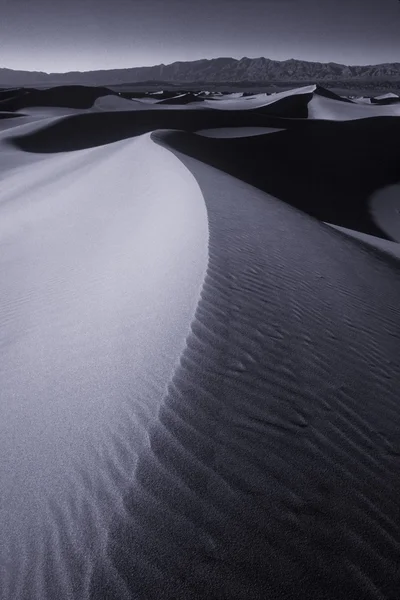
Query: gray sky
{"x": 54, "y": 35}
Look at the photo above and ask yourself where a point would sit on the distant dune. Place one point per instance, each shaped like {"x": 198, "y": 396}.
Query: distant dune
{"x": 200, "y": 345}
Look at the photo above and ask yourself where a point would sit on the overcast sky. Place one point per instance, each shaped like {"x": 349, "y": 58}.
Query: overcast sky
{"x": 54, "y": 35}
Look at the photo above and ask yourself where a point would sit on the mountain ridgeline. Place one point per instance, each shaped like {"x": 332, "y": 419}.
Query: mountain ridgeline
{"x": 213, "y": 71}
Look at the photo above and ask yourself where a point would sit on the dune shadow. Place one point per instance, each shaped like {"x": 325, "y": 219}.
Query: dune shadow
{"x": 77, "y": 132}
{"x": 270, "y": 415}
{"x": 64, "y": 96}
{"x": 7, "y": 115}
{"x": 326, "y": 169}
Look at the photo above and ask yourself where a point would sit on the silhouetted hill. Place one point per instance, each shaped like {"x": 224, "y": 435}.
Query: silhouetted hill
{"x": 217, "y": 70}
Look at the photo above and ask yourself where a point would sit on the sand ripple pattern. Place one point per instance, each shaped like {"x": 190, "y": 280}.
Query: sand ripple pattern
{"x": 273, "y": 468}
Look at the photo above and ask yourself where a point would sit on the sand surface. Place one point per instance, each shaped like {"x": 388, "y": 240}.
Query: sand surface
{"x": 321, "y": 107}
{"x": 384, "y": 206}
{"x": 103, "y": 258}
{"x": 389, "y": 247}
{"x": 200, "y": 346}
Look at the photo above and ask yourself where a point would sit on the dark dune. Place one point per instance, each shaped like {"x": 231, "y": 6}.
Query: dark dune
{"x": 70, "y": 96}
{"x": 8, "y": 115}
{"x": 321, "y": 91}
{"x": 385, "y": 101}
{"x": 79, "y": 96}
{"x": 11, "y": 100}
{"x": 326, "y": 169}
{"x": 272, "y": 471}
{"x": 95, "y": 129}
{"x": 294, "y": 107}
{"x": 10, "y": 93}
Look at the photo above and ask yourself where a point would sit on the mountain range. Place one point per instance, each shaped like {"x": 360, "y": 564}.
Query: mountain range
{"x": 216, "y": 70}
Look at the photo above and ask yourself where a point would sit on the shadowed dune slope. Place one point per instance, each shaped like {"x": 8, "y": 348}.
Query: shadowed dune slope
{"x": 11, "y": 98}
{"x": 384, "y": 206}
{"x": 8, "y": 115}
{"x": 232, "y": 132}
{"x": 95, "y": 129}
{"x": 288, "y": 104}
{"x": 388, "y": 98}
{"x": 115, "y": 102}
{"x": 383, "y": 246}
{"x": 328, "y": 170}
{"x": 311, "y": 101}
{"x": 321, "y": 91}
{"x": 272, "y": 471}
{"x": 70, "y": 96}
{"x": 291, "y": 104}
{"x": 294, "y": 107}
{"x": 326, "y": 107}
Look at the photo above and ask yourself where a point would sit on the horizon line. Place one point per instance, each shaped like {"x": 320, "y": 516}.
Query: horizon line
{"x": 73, "y": 71}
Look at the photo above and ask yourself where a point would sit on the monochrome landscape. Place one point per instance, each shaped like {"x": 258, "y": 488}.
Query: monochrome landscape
{"x": 199, "y": 327}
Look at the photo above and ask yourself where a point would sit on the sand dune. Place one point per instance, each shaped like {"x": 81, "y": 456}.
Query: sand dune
{"x": 386, "y": 246}
{"x": 313, "y": 101}
{"x": 71, "y": 96}
{"x": 241, "y": 494}
{"x": 326, "y": 93}
{"x": 200, "y": 346}
{"x": 260, "y": 100}
{"x": 6, "y": 115}
{"x": 99, "y": 281}
{"x": 362, "y": 100}
{"x": 388, "y": 98}
{"x": 291, "y": 103}
{"x": 113, "y": 102}
{"x": 329, "y": 170}
{"x": 384, "y": 206}
{"x": 321, "y": 107}
{"x": 96, "y": 128}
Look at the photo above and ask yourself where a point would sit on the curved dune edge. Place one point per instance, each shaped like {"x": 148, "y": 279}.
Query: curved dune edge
{"x": 114, "y": 102}
{"x": 384, "y": 206}
{"x": 272, "y": 470}
{"x": 386, "y": 246}
{"x": 104, "y": 254}
{"x": 258, "y": 101}
{"x": 82, "y": 131}
{"x": 334, "y": 167}
{"x": 327, "y": 169}
{"x": 326, "y": 108}
{"x": 11, "y": 158}
{"x": 312, "y": 101}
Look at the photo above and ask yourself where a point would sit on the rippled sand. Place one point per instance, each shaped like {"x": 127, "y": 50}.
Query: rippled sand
{"x": 200, "y": 342}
